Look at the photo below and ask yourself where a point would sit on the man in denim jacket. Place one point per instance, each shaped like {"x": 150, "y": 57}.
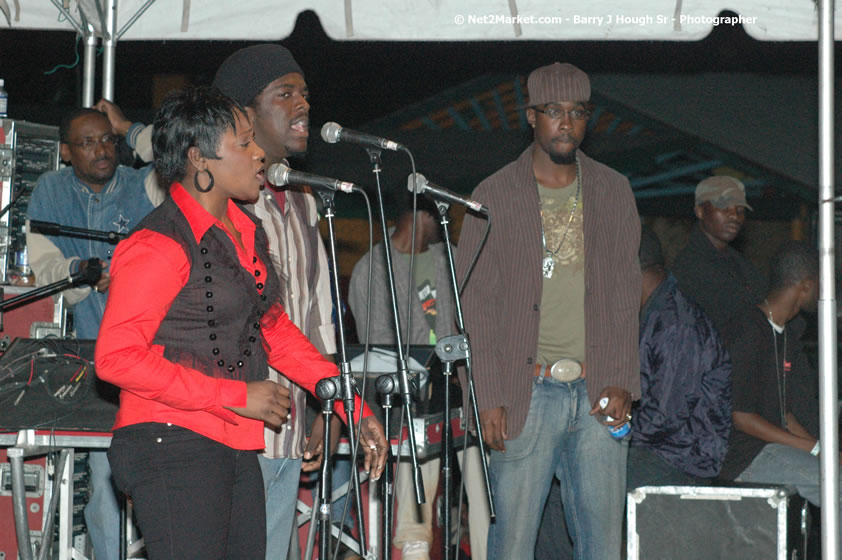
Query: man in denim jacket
{"x": 92, "y": 193}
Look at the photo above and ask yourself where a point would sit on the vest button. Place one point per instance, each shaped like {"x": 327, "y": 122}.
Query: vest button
{"x": 240, "y": 363}
{"x": 207, "y": 265}
{"x": 209, "y": 308}
{"x": 260, "y": 285}
{"x": 212, "y": 322}
{"x": 220, "y": 363}
{"x": 230, "y": 368}
{"x": 257, "y": 273}
{"x": 204, "y": 250}
{"x": 215, "y": 351}
{"x": 212, "y": 336}
{"x": 252, "y": 339}
{"x": 208, "y": 294}
{"x": 208, "y": 279}
{"x": 246, "y": 352}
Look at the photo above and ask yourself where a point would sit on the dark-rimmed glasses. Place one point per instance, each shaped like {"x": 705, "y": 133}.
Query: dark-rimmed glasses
{"x": 90, "y": 143}
{"x": 557, "y": 113}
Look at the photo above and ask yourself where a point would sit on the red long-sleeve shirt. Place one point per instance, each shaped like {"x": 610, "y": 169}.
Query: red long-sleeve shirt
{"x": 149, "y": 270}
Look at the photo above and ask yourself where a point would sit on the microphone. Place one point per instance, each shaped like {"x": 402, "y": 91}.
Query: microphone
{"x": 419, "y": 184}
{"x": 279, "y": 175}
{"x": 333, "y": 133}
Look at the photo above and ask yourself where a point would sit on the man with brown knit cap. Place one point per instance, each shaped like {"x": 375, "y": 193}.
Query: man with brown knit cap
{"x": 552, "y": 309}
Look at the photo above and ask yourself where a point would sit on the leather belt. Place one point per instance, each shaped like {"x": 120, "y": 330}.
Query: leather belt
{"x": 564, "y": 370}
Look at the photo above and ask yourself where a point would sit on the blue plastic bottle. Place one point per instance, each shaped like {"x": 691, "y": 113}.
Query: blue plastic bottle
{"x": 617, "y": 432}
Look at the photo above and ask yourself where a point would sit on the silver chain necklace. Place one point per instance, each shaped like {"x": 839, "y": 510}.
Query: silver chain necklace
{"x": 548, "y": 263}
{"x": 780, "y": 376}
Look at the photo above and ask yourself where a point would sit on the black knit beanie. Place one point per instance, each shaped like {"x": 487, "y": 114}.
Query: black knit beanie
{"x": 245, "y": 73}
{"x": 650, "y": 252}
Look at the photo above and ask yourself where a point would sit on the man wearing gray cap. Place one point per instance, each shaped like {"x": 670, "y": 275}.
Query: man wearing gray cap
{"x": 552, "y": 309}
{"x": 270, "y": 84}
{"x": 708, "y": 269}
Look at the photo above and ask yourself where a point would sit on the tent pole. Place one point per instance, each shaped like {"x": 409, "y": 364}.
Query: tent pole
{"x": 109, "y": 42}
{"x": 828, "y": 399}
{"x": 89, "y": 68}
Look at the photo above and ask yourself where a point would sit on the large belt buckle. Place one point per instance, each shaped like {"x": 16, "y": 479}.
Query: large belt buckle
{"x": 566, "y": 370}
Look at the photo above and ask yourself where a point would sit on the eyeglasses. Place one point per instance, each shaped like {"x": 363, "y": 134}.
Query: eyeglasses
{"x": 90, "y": 143}
{"x": 556, "y": 114}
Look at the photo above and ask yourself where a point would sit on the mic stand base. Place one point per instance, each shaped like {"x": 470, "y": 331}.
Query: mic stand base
{"x": 326, "y": 390}
{"x": 387, "y": 483}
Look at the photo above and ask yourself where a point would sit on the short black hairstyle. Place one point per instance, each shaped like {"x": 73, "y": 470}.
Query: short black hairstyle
{"x": 650, "y": 254}
{"x": 195, "y": 116}
{"x": 67, "y": 121}
{"x": 402, "y": 201}
{"x": 793, "y": 262}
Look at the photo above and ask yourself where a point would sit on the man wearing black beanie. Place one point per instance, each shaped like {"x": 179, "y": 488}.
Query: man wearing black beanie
{"x": 270, "y": 84}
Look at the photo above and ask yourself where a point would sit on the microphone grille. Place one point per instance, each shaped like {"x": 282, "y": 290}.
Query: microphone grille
{"x": 330, "y": 132}
{"x": 277, "y": 174}
{"x": 415, "y": 183}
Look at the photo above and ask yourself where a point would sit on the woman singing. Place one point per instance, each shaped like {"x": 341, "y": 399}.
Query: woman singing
{"x": 191, "y": 321}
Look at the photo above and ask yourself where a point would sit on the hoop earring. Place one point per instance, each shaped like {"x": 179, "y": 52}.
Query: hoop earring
{"x": 196, "y": 181}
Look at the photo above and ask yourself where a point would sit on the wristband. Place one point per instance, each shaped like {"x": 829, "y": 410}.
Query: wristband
{"x": 816, "y": 448}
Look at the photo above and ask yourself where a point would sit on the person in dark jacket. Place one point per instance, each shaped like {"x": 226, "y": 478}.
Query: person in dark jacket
{"x": 681, "y": 424}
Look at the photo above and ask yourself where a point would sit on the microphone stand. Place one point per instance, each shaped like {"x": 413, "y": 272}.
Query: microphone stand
{"x": 403, "y": 373}
{"x": 449, "y": 349}
{"x": 346, "y": 383}
{"x": 327, "y": 390}
{"x": 50, "y": 228}
{"x": 90, "y": 275}
{"x": 387, "y": 485}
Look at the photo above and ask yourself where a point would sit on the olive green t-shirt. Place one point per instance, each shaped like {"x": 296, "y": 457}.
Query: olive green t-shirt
{"x": 561, "y": 333}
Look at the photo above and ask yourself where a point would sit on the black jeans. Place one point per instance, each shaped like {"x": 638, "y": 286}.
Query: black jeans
{"x": 194, "y": 498}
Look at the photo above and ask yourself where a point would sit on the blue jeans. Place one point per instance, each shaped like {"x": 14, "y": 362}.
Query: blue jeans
{"x": 560, "y": 438}
{"x": 102, "y": 514}
{"x": 280, "y": 483}
{"x": 781, "y": 464}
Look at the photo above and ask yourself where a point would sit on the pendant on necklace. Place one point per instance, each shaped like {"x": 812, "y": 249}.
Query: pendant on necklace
{"x": 547, "y": 266}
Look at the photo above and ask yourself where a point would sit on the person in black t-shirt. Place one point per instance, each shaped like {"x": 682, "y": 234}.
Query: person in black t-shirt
{"x": 769, "y": 444}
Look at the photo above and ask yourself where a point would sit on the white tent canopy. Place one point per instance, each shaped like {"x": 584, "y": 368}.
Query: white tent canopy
{"x": 673, "y": 20}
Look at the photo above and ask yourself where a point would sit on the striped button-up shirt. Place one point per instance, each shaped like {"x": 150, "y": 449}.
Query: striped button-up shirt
{"x": 299, "y": 256}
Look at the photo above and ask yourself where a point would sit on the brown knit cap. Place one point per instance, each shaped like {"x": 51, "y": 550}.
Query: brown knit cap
{"x": 558, "y": 82}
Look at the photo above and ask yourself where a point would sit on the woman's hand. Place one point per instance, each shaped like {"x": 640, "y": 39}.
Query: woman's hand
{"x": 267, "y": 401}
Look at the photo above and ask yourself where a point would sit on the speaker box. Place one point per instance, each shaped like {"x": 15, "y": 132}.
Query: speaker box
{"x": 705, "y": 522}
